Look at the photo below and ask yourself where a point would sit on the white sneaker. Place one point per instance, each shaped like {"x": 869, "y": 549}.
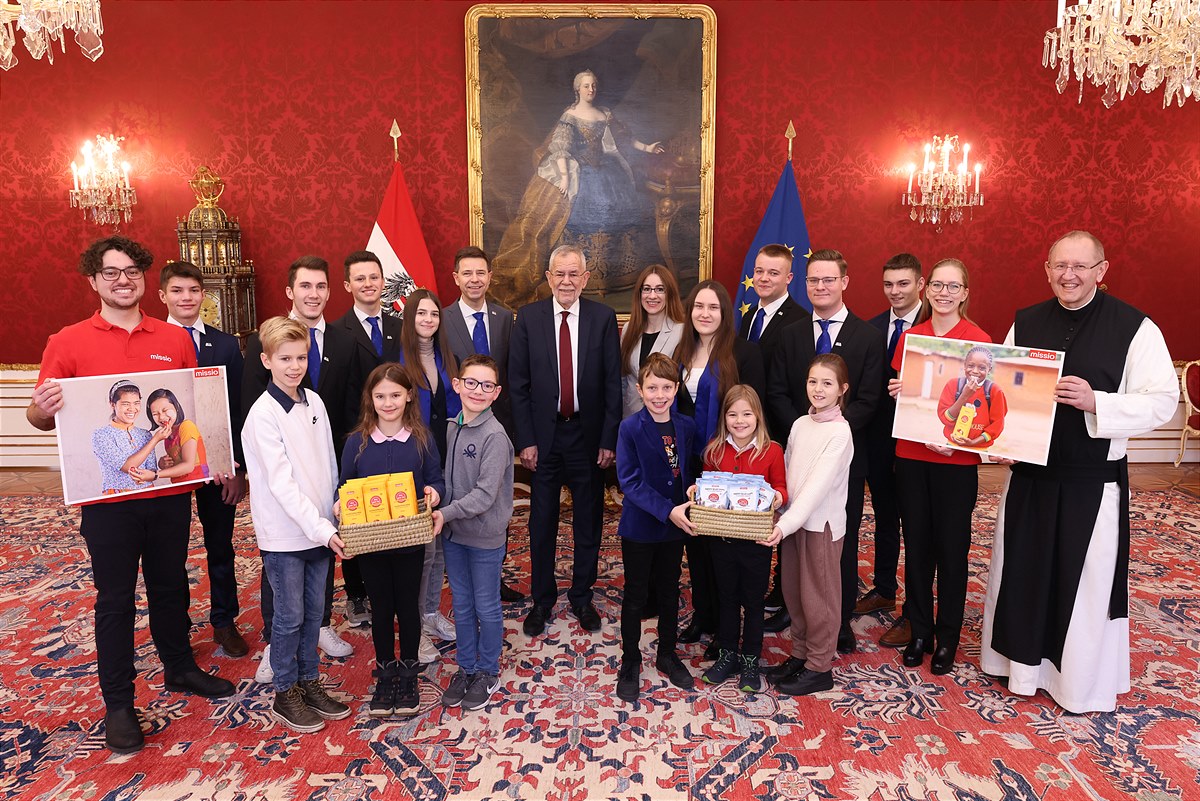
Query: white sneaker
{"x": 264, "y": 674}
{"x": 438, "y": 625}
{"x": 428, "y": 653}
{"x": 333, "y": 645}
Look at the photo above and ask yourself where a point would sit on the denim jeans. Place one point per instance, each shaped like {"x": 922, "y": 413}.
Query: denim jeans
{"x": 432, "y": 572}
{"x": 298, "y": 581}
{"x": 478, "y": 622}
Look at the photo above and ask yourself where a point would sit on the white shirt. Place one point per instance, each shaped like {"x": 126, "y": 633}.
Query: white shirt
{"x": 835, "y": 320}
{"x": 320, "y": 328}
{"x": 573, "y": 327}
{"x": 909, "y": 320}
{"x": 362, "y": 320}
{"x": 770, "y": 309}
{"x": 469, "y": 318}
{"x": 198, "y": 326}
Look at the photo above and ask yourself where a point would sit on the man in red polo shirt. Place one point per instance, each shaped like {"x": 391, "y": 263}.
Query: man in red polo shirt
{"x": 150, "y": 528}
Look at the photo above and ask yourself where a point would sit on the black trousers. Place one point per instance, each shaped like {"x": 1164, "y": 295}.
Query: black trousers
{"x": 570, "y": 463}
{"x": 854, "y": 514}
{"x": 119, "y": 536}
{"x": 743, "y": 570}
{"x": 650, "y": 567}
{"x": 393, "y": 581}
{"x": 704, "y": 583}
{"x": 936, "y": 503}
{"x": 882, "y": 481}
{"x": 216, "y": 518}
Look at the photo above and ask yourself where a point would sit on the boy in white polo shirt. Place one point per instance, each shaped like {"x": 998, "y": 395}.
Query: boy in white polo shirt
{"x": 293, "y": 474}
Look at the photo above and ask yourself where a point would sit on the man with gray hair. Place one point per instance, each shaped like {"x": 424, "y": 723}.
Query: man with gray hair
{"x": 1056, "y": 614}
{"x": 565, "y": 381}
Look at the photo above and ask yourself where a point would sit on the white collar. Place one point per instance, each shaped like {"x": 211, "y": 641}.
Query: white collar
{"x": 198, "y": 325}
{"x": 320, "y": 326}
{"x": 774, "y": 305}
{"x": 838, "y": 316}
{"x": 467, "y": 311}
{"x": 559, "y": 308}
{"x": 909, "y": 318}
{"x": 363, "y": 316}
{"x": 736, "y": 449}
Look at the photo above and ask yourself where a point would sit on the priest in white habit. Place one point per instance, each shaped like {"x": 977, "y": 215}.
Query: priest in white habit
{"x": 1056, "y": 616}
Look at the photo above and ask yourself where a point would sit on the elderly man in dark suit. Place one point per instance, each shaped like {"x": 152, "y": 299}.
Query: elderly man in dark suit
{"x": 181, "y": 289}
{"x": 331, "y": 349}
{"x": 765, "y": 324}
{"x": 833, "y": 330}
{"x": 902, "y": 285}
{"x": 565, "y": 381}
{"x": 376, "y": 337}
{"x": 474, "y": 324}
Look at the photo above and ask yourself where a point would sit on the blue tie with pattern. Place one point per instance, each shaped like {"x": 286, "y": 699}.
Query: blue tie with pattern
{"x": 757, "y": 326}
{"x": 824, "y": 343}
{"x": 314, "y": 358}
{"x": 479, "y": 335}
{"x": 195, "y": 340}
{"x": 895, "y": 340}
{"x": 376, "y": 336}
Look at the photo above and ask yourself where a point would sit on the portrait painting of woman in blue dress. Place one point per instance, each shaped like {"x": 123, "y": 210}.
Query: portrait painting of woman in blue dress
{"x": 584, "y": 192}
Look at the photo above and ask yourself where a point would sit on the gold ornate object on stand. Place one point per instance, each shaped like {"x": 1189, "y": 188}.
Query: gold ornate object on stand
{"x": 213, "y": 242}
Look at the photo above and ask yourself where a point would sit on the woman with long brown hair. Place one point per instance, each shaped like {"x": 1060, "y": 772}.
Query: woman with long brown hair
{"x": 712, "y": 359}
{"x": 655, "y": 326}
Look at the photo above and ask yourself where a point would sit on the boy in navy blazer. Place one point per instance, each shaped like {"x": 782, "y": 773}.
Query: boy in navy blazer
{"x": 652, "y": 457}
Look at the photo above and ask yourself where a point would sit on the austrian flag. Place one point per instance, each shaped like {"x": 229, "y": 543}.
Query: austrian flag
{"x": 397, "y": 240}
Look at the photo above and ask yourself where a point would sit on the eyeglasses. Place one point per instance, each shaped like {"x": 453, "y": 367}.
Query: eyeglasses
{"x": 653, "y": 290}
{"x": 951, "y": 288}
{"x": 113, "y": 273}
{"x": 828, "y": 280}
{"x": 1077, "y": 269}
{"x": 474, "y": 383}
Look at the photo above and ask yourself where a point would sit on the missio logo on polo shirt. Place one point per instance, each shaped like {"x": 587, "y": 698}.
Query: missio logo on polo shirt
{"x": 158, "y": 357}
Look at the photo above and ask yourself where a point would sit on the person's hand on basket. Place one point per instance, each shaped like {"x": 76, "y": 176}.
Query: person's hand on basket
{"x": 438, "y": 521}
{"x": 775, "y": 504}
{"x": 432, "y": 499}
{"x": 337, "y": 546}
{"x": 774, "y": 539}
{"x": 337, "y": 510}
{"x": 679, "y": 517}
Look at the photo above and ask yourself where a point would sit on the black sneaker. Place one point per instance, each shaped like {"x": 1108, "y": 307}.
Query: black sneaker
{"x": 357, "y": 612}
{"x": 750, "y": 681}
{"x": 629, "y": 681}
{"x": 727, "y": 665}
{"x": 675, "y": 671}
{"x": 454, "y": 694}
{"x": 790, "y": 667}
{"x": 807, "y": 682}
{"x": 712, "y": 651}
{"x": 290, "y": 710}
{"x": 408, "y": 694}
{"x": 383, "y": 700}
{"x": 483, "y": 685}
{"x": 319, "y": 701}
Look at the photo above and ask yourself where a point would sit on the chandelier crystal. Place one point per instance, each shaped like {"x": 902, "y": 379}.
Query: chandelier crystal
{"x": 102, "y": 183}
{"x": 945, "y": 192}
{"x": 44, "y": 22}
{"x": 1126, "y": 46}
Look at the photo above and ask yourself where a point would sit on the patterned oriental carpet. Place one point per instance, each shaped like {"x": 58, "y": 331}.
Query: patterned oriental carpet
{"x": 886, "y": 732}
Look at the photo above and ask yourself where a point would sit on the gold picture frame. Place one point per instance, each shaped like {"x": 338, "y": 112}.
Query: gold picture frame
{"x": 591, "y": 125}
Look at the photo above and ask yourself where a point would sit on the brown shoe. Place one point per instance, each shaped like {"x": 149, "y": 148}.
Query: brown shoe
{"x": 898, "y": 635}
{"x": 231, "y": 641}
{"x": 873, "y": 602}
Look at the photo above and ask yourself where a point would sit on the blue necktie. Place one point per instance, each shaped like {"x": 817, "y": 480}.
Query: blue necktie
{"x": 314, "y": 358}
{"x": 479, "y": 335}
{"x": 195, "y": 342}
{"x": 824, "y": 344}
{"x": 756, "y": 326}
{"x": 376, "y": 336}
{"x": 895, "y": 340}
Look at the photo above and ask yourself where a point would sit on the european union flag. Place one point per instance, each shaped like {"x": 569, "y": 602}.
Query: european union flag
{"x": 783, "y": 224}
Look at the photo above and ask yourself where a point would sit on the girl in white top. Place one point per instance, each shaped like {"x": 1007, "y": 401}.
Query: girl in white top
{"x": 811, "y": 529}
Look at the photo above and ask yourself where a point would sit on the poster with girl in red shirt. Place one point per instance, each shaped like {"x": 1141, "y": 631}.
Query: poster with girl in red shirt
{"x": 982, "y": 398}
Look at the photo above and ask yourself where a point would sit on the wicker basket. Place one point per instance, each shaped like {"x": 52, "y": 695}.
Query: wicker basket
{"x": 386, "y": 534}
{"x": 732, "y": 523}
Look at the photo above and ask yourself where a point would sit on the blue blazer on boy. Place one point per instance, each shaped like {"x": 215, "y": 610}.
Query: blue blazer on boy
{"x": 646, "y": 477}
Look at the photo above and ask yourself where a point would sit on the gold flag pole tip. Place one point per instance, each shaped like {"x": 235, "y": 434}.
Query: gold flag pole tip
{"x": 790, "y": 133}
{"x": 395, "y": 134}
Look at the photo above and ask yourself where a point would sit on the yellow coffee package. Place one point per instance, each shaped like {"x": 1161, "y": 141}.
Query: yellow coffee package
{"x": 402, "y": 494}
{"x": 351, "y": 496}
{"x": 375, "y": 499}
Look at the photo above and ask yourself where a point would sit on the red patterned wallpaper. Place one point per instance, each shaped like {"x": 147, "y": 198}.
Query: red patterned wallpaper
{"x": 291, "y": 103}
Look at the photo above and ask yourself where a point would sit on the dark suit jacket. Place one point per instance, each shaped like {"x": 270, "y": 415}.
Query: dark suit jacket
{"x": 219, "y": 348}
{"x": 365, "y": 360}
{"x": 337, "y": 367}
{"x": 860, "y": 344}
{"x": 646, "y": 477}
{"x": 533, "y": 376}
{"x": 500, "y": 326}
{"x": 879, "y": 438}
{"x": 789, "y": 314}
